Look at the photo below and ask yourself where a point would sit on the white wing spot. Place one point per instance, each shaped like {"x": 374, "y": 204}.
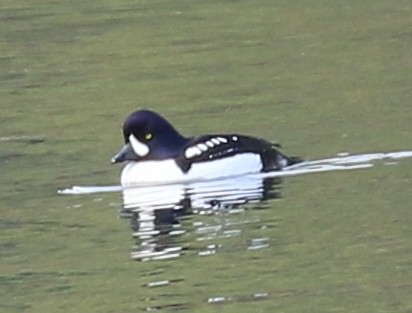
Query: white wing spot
{"x": 198, "y": 149}
{"x": 202, "y": 146}
{"x": 215, "y": 141}
{"x": 138, "y": 147}
{"x": 222, "y": 140}
{"x": 191, "y": 152}
{"x": 234, "y": 138}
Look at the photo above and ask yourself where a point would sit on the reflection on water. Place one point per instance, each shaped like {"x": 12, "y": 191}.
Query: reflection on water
{"x": 205, "y": 218}
{"x": 252, "y": 297}
{"x": 163, "y": 226}
{"x": 161, "y": 218}
{"x": 155, "y": 213}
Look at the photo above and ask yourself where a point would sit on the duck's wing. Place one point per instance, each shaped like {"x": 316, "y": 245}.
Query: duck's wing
{"x": 213, "y": 147}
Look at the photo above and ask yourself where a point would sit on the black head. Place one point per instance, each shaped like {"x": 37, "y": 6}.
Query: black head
{"x": 148, "y": 136}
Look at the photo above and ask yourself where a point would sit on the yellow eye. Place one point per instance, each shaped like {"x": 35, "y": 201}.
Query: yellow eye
{"x": 148, "y": 136}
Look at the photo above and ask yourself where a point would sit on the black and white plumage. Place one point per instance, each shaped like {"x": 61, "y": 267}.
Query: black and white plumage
{"x": 158, "y": 153}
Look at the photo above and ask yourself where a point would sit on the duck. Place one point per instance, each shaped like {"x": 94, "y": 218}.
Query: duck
{"x": 155, "y": 152}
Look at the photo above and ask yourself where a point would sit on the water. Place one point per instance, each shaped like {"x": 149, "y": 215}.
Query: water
{"x": 156, "y": 211}
{"x": 317, "y": 76}
{"x": 204, "y": 219}
{"x": 341, "y": 162}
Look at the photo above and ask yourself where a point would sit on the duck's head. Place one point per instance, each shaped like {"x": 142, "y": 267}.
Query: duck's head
{"x": 148, "y": 136}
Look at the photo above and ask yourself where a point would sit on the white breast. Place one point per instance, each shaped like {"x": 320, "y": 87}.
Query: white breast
{"x": 154, "y": 172}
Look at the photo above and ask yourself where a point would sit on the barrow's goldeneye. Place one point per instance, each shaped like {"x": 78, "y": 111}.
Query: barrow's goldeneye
{"x": 159, "y": 154}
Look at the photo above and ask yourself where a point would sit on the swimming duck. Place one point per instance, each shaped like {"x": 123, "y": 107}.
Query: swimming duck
{"x": 157, "y": 153}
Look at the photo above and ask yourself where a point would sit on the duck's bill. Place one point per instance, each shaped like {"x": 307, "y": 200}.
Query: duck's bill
{"x": 125, "y": 154}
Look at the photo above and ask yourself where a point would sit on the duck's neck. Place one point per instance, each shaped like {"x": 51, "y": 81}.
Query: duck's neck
{"x": 171, "y": 146}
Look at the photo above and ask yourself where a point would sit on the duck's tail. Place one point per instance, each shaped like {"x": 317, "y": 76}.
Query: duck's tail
{"x": 275, "y": 159}
{"x": 292, "y": 160}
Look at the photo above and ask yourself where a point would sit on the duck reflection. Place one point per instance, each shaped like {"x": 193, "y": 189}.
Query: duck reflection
{"x": 156, "y": 211}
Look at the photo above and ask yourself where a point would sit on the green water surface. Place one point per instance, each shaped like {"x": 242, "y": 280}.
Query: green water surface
{"x": 321, "y": 77}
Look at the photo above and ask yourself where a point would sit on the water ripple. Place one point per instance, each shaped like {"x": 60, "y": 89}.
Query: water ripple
{"x": 156, "y": 212}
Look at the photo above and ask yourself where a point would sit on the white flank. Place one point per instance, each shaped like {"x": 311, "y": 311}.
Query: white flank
{"x": 139, "y": 148}
{"x": 167, "y": 171}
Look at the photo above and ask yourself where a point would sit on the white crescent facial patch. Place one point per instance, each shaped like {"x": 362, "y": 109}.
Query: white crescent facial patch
{"x": 138, "y": 147}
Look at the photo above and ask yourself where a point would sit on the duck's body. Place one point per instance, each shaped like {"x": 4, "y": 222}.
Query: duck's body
{"x": 159, "y": 154}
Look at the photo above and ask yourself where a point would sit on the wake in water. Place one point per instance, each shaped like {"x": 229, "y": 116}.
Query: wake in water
{"x": 341, "y": 162}
{"x": 155, "y": 211}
